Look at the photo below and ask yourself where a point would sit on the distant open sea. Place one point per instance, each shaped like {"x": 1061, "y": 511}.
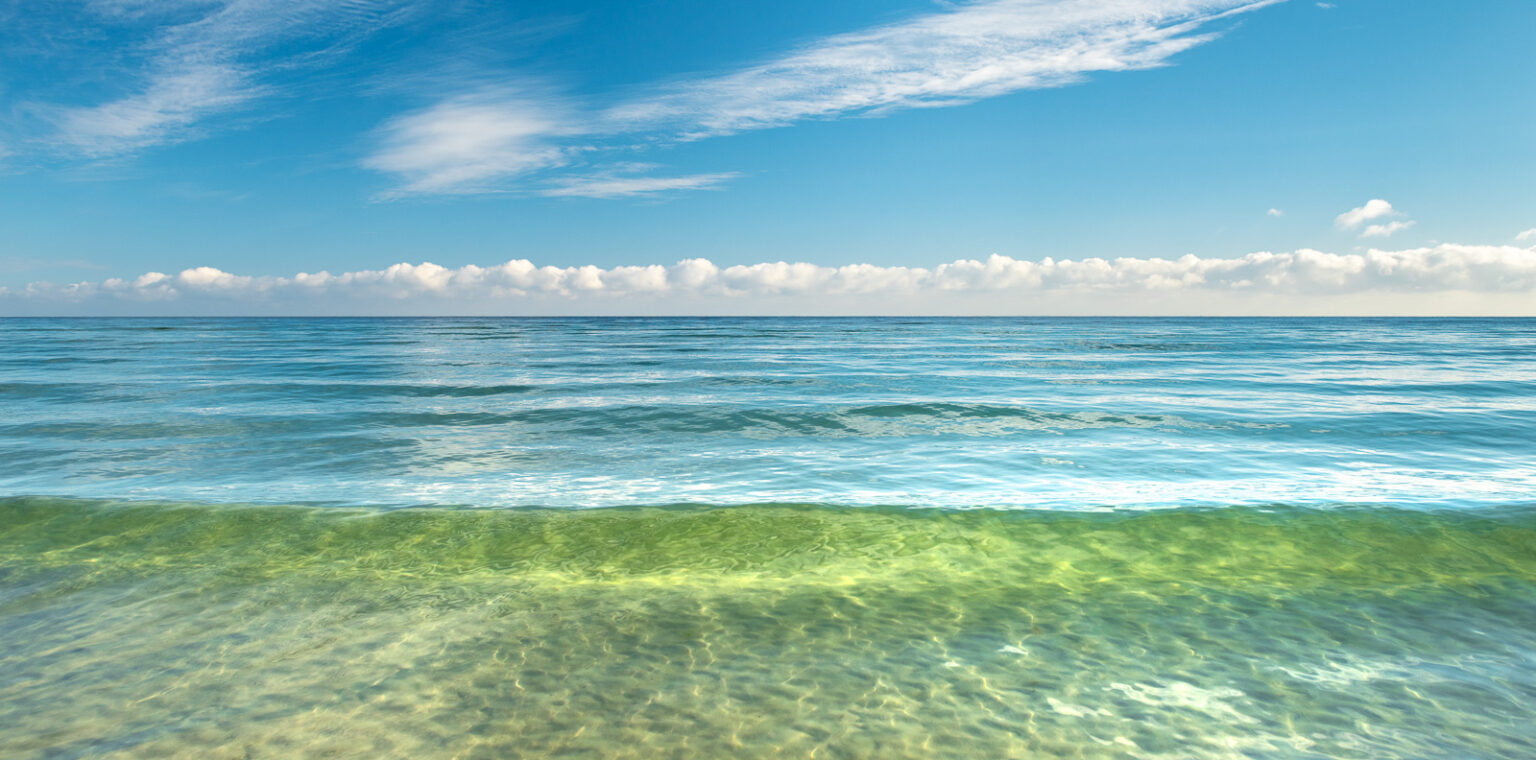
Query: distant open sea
{"x": 829, "y": 538}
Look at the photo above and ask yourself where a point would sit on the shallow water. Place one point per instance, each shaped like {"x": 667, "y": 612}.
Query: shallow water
{"x": 762, "y": 631}
{"x": 1008, "y": 538}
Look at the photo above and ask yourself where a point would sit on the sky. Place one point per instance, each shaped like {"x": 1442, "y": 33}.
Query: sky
{"x": 688, "y": 157}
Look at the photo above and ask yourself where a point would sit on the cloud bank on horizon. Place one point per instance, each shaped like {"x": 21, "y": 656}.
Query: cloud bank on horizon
{"x": 1439, "y": 279}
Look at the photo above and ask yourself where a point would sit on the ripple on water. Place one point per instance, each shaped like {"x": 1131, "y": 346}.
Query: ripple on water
{"x": 180, "y": 630}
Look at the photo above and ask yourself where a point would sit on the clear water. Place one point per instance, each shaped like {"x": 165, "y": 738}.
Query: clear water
{"x": 759, "y": 538}
{"x": 953, "y": 413}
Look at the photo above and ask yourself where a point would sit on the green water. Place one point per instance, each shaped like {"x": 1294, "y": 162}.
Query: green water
{"x": 163, "y": 630}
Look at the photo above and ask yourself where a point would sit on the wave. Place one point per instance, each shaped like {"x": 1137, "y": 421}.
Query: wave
{"x": 1340, "y": 545}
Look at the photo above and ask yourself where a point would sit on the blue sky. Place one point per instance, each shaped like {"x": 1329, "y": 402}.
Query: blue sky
{"x": 265, "y": 139}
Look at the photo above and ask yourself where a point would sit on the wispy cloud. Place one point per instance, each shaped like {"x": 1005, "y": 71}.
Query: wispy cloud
{"x": 962, "y": 54}
{"x": 10, "y": 264}
{"x": 164, "y": 111}
{"x": 1529, "y": 236}
{"x": 210, "y": 60}
{"x": 999, "y": 284}
{"x": 1385, "y": 230}
{"x": 464, "y": 144}
{"x": 974, "y": 51}
{"x": 610, "y": 185}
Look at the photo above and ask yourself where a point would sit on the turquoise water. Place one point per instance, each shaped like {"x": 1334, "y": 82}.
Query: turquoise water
{"x": 770, "y": 538}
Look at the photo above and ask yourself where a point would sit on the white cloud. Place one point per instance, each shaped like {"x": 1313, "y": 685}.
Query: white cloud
{"x": 1373, "y": 209}
{"x": 1527, "y": 237}
{"x": 1385, "y": 230}
{"x": 1276, "y": 282}
{"x": 964, "y": 53}
{"x": 613, "y": 186}
{"x": 169, "y": 105}
{"x": 189, "y": 71}
{"x": 465, "y": 145}
{"x": 462, "y": 145}
{"x": 1275, "y": 212}
{"x": 973, "y": 51}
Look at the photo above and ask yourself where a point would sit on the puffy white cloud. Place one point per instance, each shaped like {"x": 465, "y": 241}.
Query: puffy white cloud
{"x": 1373, "y": 209}
{"x": 1529, "y": 236}
{"x": 1275, "y": 212}
{"x": 997, "y": 284}
{"x": 963, "y": 53}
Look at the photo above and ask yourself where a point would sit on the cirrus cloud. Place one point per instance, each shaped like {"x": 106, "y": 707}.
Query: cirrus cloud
{"x": 967, "y": 52}
{"x": 1387, "y": 229}
{"x": 193, "y": 60}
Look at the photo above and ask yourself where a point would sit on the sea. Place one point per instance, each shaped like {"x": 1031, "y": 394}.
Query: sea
{"x": 762, "y": 537}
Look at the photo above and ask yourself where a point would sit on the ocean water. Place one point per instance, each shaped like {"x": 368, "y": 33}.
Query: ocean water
{"x": 768, "y": 538}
